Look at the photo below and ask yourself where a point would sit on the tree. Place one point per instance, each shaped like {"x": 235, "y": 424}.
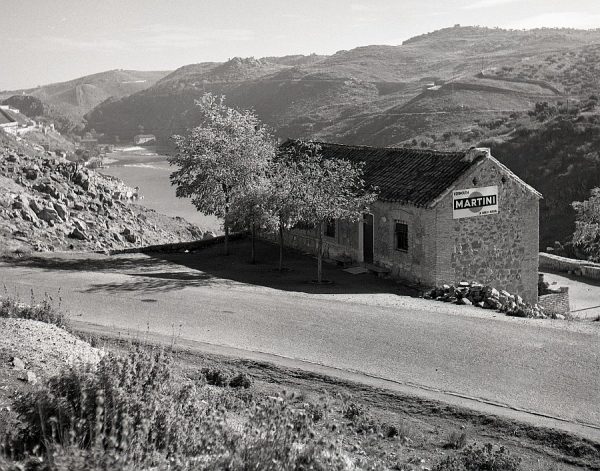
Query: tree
{"x": 218, "y": 160}
{"x": 331, "y": 189}
{"x": 285, "y": 192}
{"x": 587, "y": 225}
{"x": 252, "y": 210}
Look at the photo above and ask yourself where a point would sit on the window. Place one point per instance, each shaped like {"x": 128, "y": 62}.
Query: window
{"x": 330, "y": 228}
{"x": 401, "y": 236}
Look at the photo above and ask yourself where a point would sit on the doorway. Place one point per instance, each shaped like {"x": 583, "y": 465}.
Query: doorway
{"x": 368, "y": 238}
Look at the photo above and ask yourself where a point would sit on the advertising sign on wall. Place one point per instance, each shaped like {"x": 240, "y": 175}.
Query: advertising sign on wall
{"x": 474, "y": 202}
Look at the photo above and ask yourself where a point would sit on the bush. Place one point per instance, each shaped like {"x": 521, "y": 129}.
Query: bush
{"x": 241, "y": 380}
{"x": 456, "y": 440}
{"x": 131, "y": 413}
{"x": 215, "y": 377}
{"x": 44, "y": 311}
{"x": 352, "y": 411}
{"x": 484, "y": 458}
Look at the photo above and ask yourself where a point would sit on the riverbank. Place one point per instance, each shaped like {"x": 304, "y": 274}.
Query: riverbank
{"x": 150, "y": 172}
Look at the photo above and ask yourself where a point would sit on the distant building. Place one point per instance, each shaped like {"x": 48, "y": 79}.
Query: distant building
{"x": 441, "y": 217}
{"x": 12, "y": 121}
{"x": 144, "y": 139}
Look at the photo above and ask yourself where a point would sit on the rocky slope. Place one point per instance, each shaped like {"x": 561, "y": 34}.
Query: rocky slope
{"x": 48, "y": 203}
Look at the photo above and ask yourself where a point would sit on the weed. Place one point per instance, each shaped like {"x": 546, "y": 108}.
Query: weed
{"x": 456, "y": 440}
{"x": 483, "y": 458}
{"x": 48, "y": 310}
{"x": 352, "y": 411}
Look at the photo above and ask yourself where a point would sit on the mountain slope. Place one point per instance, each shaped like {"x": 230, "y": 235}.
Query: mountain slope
{"x": 73, "y": 99}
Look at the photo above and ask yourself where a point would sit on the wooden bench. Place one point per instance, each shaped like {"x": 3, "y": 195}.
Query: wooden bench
{"x": 379, "y": 271}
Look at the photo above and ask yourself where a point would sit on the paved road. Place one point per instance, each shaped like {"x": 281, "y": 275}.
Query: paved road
{"x": 547, "y": 367}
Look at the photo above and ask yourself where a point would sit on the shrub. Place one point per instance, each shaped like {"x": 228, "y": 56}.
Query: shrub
{"x": 44, "y": 311}
{"x": 352, "y": 411}
{"x": 215, "y": 377}
{"x": 241, "y": 380}
{"x": 132, "y": 412}
{"x": 456, "y": 440}
{"x": 484, "y": 458}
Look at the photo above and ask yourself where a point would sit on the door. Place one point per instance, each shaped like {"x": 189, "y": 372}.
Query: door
{"x": 368, "y": 238}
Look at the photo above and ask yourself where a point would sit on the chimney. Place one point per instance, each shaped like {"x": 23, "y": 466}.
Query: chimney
{"x": 475, "y": 152}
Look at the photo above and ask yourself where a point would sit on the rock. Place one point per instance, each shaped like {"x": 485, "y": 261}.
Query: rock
{"x": 28, "y": 377}
{"x": 560, "y": 316}
{"x": 18, "y": 364}
{"x": 78, "y": 234}
{"x": 78, "y": 205}
{"x": 131, "y": 238}
{"x": 464, "y": 301}
{"x": 49, "y": 215}
{"x": 61, "y": 210}
{"x": 80, "y": 225}
{"x": 28, "y": 215}
{"x": 12, "y": 158}
{"x": 35, "y": 206}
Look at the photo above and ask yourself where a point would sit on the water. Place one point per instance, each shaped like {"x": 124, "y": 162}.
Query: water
{"x": 150, "y": 172}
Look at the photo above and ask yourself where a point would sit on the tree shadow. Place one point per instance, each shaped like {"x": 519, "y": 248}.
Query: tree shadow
{"x": 155, "y": 282}
{"x": 162, "y": 272}
{"x": 301, "y": 269}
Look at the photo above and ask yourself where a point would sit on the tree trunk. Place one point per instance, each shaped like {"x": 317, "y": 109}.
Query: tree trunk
{"x": 253, "y": 236}
{"x": 280, "y": 245}
{"x": 320, "y": 254}
{"x": 226, "y": 223}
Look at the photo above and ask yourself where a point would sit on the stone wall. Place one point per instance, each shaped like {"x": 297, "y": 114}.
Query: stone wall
{"x": 417, "y": 264}
{"x": 556, "y": 303}
{"x": 570, "y": 265}
{"x": 497, "y": 249}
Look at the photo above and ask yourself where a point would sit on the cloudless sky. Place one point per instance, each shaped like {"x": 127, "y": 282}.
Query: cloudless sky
{"x": 46, "y": 41}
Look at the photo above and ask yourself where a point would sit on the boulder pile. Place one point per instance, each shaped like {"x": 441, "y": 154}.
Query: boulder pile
{"x": 49, "y": 203}
{"x": 486, "y": 297}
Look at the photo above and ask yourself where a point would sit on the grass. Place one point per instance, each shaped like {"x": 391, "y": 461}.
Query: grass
{"x": 131, "y": 412}
{"x": 47, "y": 310}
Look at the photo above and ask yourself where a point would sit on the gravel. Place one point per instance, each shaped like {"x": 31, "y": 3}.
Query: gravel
{"x": 44, "y": 347}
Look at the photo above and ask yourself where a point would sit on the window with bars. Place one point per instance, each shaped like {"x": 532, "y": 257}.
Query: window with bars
{"x": 401, "y": 236}
{"x": 330, "y": 228}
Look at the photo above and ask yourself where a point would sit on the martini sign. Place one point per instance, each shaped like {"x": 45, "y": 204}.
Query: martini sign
{"x": 474, "y": 202}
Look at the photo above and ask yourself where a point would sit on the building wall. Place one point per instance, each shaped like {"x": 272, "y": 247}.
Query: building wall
{"x": 417, "y": 264}
{"x": 497, "y": 249}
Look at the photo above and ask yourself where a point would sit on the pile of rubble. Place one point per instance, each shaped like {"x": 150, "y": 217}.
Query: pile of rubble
{"x": 486, "y": 297}
{"x": 48, "y": 203}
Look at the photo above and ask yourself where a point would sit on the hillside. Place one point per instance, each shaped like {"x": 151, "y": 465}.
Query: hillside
{"x": 450, "y": 89}
{"x": 345, "y": 95}
{"x": 75, "y": 98}
{"x": 48, "y": 203}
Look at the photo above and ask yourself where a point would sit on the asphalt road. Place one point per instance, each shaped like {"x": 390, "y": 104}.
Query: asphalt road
{"x": 545, "y": 367}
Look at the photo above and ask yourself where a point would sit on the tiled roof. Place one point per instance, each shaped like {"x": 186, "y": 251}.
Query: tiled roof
{"x": 409, "y": 176}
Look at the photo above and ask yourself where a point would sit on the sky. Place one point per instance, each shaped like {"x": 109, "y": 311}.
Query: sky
{"x": 46, "y": 41}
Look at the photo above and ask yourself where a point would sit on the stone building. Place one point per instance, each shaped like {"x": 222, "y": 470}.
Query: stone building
{"x": 441, "y": 217}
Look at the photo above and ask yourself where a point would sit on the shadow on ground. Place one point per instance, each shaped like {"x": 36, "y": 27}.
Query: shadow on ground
{"x": 300, "y": 270}
{"x": 174, "y": 271}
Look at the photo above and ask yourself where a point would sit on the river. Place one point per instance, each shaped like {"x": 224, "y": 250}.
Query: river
{"x": 150, "y": 172}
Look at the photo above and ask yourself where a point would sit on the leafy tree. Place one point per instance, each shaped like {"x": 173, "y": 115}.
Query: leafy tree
{"x": 587, "y": 225}
{"x": 331, "y": 189}
{"x": 252, "y": 210}
{"x": 285, "y": 197}
{"x": 218, "y": 160}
